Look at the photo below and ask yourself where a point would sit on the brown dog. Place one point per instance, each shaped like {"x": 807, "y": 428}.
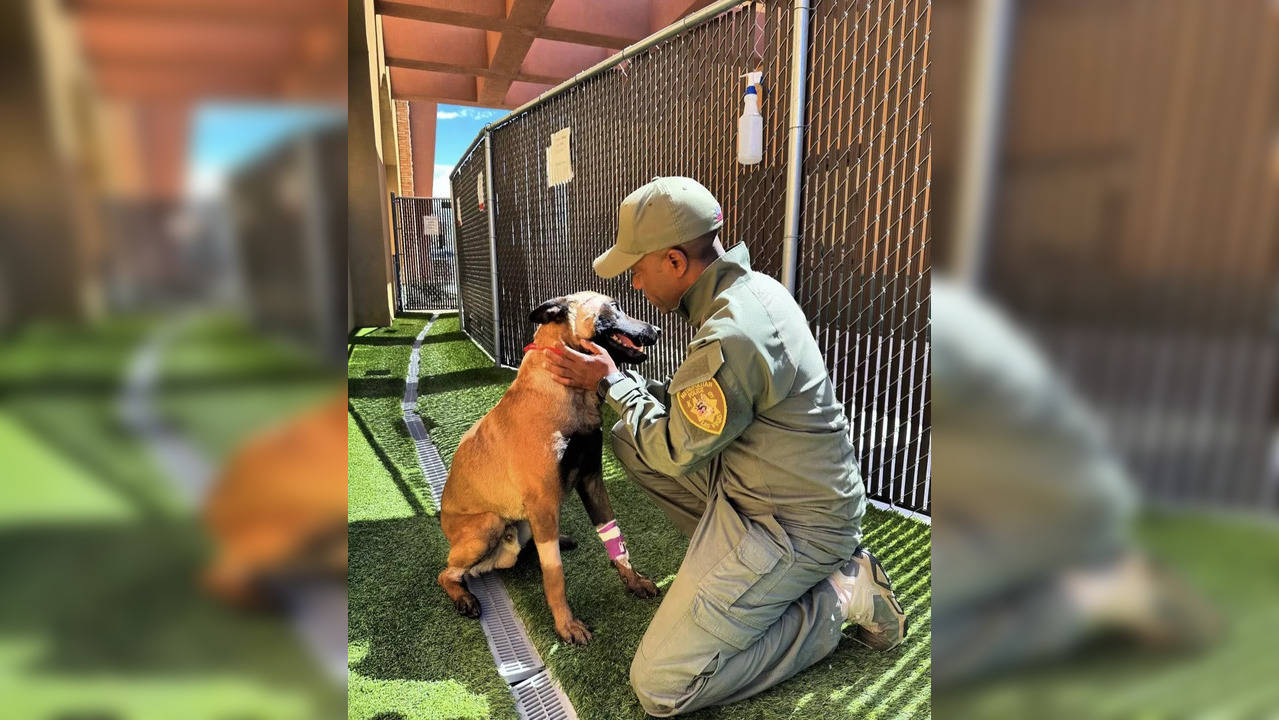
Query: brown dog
{"x": 513, "y": 468}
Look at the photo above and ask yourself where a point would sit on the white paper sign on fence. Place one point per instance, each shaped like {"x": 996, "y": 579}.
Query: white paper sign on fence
{"x": 479, "y": 190}
{"x": 559, "y": 158}
{"x": 430, "y": 225}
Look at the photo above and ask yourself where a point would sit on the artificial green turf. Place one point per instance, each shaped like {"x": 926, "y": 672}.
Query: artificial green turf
{"x": 42, "y": 486}
{"x": 1234, "y": 562}
{"x": 459, "y": 384}
{"x": 62, "y": 383}
{"x": 100, "y": 614}
{"x": 411, "y": 655}
{"x": 221, "y": 381}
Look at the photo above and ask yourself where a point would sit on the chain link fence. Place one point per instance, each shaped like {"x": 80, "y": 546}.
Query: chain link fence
{"x": 661, "y": 113}
{"x": 672, "y": 109}
{"x": 425, "y": 255}
{"x": 863, "y": 262}
{"x": 474, "y": 249}
{"x": 1136, "y": 240}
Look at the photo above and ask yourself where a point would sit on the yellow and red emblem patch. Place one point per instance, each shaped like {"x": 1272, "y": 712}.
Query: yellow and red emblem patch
{"x": 704, "y": 405}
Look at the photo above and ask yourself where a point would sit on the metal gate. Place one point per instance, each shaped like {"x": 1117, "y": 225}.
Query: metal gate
{"x": 425, "y": 254}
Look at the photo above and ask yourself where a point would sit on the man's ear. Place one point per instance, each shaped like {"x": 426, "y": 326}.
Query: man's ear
{"x": 550, "y": 311}
{"x": 677, "y": 259}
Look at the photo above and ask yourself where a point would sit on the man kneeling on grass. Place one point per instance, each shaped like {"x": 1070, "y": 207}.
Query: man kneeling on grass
{"x": 747, "y": 450}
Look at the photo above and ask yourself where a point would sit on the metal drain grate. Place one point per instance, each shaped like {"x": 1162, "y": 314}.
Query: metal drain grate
{"x": 537, "y": 695}
{"x": 540, "y": 697}
{"x": 428, "y": 457}
{"x": 513, "y": 652}
{"x": 181, "y": 461}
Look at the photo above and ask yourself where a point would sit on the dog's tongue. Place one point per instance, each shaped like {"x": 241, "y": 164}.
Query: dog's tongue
{"x": 625, "y": 341}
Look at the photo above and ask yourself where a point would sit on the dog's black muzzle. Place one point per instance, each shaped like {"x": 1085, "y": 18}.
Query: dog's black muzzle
{"x": 625, "y": 338}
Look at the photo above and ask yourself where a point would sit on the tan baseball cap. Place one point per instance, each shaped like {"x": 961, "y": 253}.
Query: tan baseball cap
{"x": 663, "y": 213}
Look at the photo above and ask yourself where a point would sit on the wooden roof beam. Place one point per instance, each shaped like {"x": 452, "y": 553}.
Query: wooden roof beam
{"x": 499, "y": 24}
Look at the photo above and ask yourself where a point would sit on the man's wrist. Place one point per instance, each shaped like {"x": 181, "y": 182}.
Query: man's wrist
{"x": 607, "y": 382}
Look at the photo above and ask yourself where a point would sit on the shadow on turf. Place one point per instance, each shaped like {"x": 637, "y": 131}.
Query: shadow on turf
{"x": 447, "y": 382}
{"x": 145, "y": 501}
{"x": 407, "y": 339}
{"x": 107, "y": 599}
{"x": 401, "y": 483}
{"x": 80, "y": 385}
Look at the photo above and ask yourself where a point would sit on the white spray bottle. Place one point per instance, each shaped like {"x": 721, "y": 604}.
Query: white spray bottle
{"x": 750, "y": 126}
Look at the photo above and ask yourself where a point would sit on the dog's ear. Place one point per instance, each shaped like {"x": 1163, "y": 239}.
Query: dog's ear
{"x": 549, "y": 311}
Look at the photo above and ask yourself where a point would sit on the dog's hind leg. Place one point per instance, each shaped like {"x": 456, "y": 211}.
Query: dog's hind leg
{"x": 513, "y": 540}
{"x": 471, "y": 539}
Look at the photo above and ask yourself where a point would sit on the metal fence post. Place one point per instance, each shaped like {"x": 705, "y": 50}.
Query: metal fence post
{"x": 795, "y": 145}
{"x": 488, "y": 207}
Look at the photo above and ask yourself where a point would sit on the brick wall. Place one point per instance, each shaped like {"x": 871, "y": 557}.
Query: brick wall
{"x": 404, "y": 146}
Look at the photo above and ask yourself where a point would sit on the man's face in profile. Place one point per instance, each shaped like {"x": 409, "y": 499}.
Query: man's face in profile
{"x": 659, "y": 275}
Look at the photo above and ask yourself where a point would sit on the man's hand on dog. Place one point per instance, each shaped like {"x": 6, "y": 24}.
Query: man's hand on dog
{"x": 581, "y": 370}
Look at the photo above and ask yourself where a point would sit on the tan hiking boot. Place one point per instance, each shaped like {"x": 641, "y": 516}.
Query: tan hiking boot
{"x": 867, "y": 599}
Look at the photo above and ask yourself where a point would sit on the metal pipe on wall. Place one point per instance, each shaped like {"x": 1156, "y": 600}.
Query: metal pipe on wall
{"x": 795, "y": 143}
{"x": 488, "y": 210}
{"x": 979, "y": 148}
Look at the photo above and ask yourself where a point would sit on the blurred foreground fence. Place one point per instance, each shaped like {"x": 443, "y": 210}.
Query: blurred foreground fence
{"x": 852, "y": 199}
{"x": 1136, "y": 239}
{"x": 425, "y": 255}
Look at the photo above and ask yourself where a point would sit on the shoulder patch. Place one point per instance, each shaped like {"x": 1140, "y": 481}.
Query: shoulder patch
{"x": 704, "y": 406}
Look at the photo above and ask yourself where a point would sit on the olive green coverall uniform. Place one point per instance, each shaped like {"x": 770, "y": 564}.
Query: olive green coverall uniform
{"x": 747, "y": 449}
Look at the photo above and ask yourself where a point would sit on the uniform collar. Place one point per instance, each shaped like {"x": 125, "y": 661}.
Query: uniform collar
{"x": 695, "y": 304}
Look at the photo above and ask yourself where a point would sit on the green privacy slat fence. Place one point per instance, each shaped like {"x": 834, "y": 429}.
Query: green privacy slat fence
{"x": 474, "y": 256}
{"x": 863, "y": 261}
{"x": 672, "y": 110}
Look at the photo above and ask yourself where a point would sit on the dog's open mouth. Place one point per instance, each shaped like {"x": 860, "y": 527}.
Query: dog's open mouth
{"x": 625, "y": 347}
{"x": 621, "y": 339}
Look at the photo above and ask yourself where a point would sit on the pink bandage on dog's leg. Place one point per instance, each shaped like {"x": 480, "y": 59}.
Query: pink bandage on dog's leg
{"x": 611, "y": 535}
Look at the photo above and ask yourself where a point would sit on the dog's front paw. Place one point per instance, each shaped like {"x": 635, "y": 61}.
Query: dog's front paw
{"x": 468, "y": 605}
{"x": 641, "y": 587}
{"x": 573, "y": 632}
{"x": 636, "y": 584}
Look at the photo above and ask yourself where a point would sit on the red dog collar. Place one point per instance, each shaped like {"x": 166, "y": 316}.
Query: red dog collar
{"x": 535, "y": 346}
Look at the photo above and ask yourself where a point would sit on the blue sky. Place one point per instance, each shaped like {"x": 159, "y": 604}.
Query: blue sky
{"x": 224, "y": 136}
{"x": 455, "y": 127}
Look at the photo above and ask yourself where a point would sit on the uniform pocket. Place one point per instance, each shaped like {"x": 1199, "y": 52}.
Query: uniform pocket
{"x": 726, "y": 602}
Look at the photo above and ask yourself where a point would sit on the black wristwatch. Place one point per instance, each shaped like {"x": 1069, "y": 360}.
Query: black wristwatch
{"x": 606, "y": 382}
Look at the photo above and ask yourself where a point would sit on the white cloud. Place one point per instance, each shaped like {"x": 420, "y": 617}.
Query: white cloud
{"x": 469, "y": 113}
{"x": 204, "y": 181}
{"x": 441, "y": 181}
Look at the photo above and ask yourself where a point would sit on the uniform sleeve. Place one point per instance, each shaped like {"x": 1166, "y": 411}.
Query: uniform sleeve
{"x": 657, "y": 388}
{"x": 707, "y": 407}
